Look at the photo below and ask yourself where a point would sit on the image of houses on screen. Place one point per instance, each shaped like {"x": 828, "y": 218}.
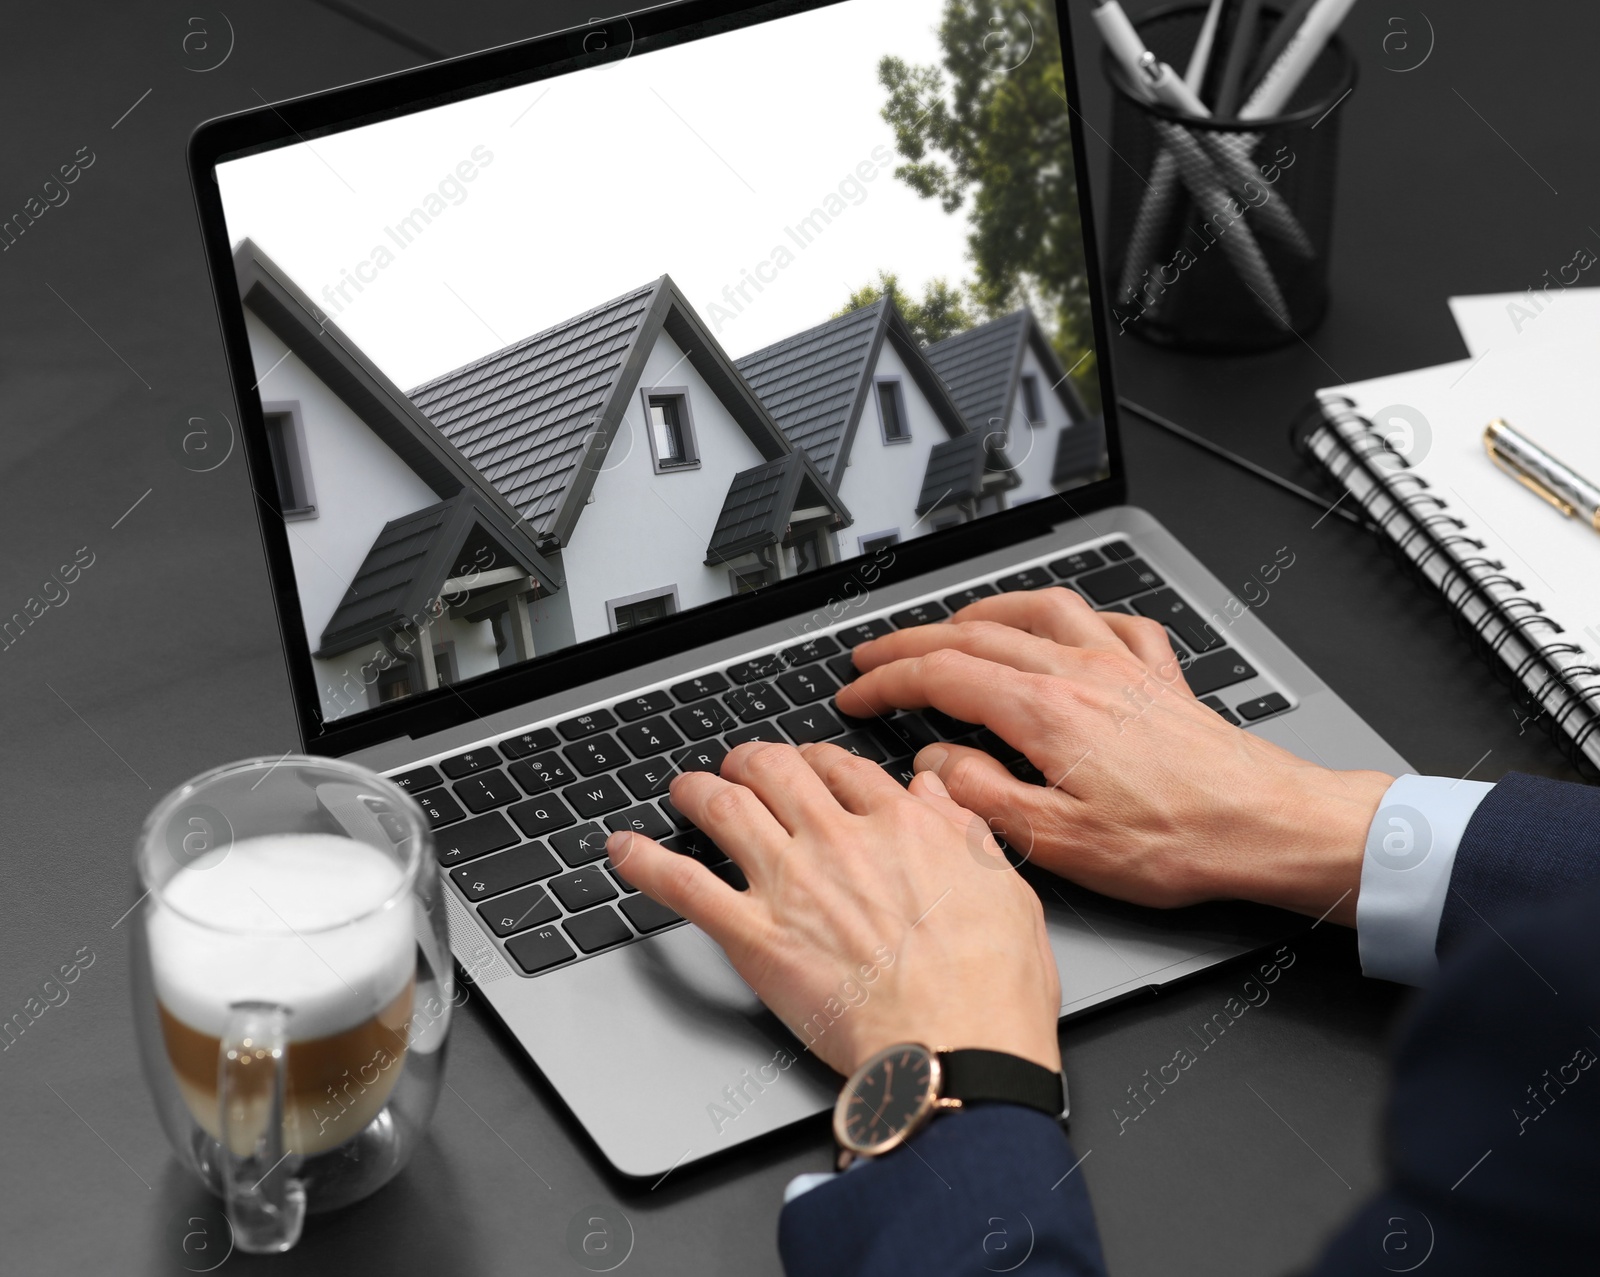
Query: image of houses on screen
{"x": 620, "y": 467}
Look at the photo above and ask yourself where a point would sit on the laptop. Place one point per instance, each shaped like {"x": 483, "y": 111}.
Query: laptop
{"x": 600, "y": 392}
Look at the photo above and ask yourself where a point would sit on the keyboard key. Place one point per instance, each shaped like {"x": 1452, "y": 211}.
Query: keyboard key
{"x": 809, "y": 724}
{"x": 1117, "y": 551}
{"x": 704, "y": 757}
{"x": 767, "y": 731}
{"x": 854, "y": 634}
{"x": 648, "y": 915}
{"x": 518, "y": 910}
{"x": 861, "y": 745}
{"x": 1216, "y": 670}
{"x": 731, "y": 874}
{"x": 585, "y": 725}
{"x": 473, "y": 838}
{"x": 515, "y": 868}
{"x": 678, "y": 819}
{"x": 1271, "y": 703}
{"x": 596, "y": 754}
{"x": 811, "y": 650}
{"x": 919, "y": 614}
{"x": 648, "y": 779}
{"x": 579, "y": 890}
{"x": 649, "y": 738}
{"x": 1117, "y": 607}
{"x": 623, "y": 885}
{"x": 537, "y": 775}
{"x": 901, "y": 769}
{"x": 1073, "y": 564}
{"x": 948, "y": 728}
{"x": 581, "y": 845}
{"x": 756, "y": 667}
{"x": 844, "y": 668}
{"x": 598, "y": 930}
{"x": 755, "y": 701}
{"x": 418, "y": 779}
{"x": 1166, "y": 607}
{"x": 1118, "y": 581}
{"x": 1215, "y": 702}
{"x": 955, "y": 602}
{"x": 1025, "y": 771}
{"x": 697, "y": 844}
{"x": 994, "y": 746}
{"x": 696, "y": 689}
{"x": 474, "y": 760}
{"x": 537, "y": 951}
{"x": 487, "y": 791}
{"x": 439, "y": 807}
{"x": 595, "y": 797}
{"x": 646, "y": 703}
{"x": 520, "y": 746}
{"x": 1027, "y": 579}
{"x": 809, "y": 684}
{"x": 702, "y": 719}
{"x": 644, "y": 819}
{"x": 539, "y": 816}
{"x": 902, "y": 735}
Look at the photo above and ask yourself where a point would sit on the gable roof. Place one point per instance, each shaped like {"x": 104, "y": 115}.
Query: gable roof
{"x": 761, "y": 501}
{"x": 817, "y": 382}
{"x": 539, "y": 416}
{"x": 1080, "y": 453}
{"x": 400, "y": 580}
{"x": 962, "y": 469}
{"x": 982, "y": 366}
{"x": 319, "y": 343}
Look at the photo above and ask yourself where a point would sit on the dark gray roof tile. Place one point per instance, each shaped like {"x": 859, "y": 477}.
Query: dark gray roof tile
{"x": 978, "y": 366}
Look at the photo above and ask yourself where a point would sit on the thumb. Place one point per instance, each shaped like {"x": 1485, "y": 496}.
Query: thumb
{"x": 1014, "y": 810}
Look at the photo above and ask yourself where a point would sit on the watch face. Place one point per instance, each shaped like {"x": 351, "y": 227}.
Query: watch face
{"x": 886, "y": 1099}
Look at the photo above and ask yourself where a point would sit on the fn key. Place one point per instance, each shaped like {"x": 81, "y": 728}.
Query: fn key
{"x": 539, "y": 950}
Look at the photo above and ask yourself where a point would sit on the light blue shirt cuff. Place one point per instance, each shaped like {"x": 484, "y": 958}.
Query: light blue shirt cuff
{"x": 802, "y": 1184}
{"x": 1405, "y": 875}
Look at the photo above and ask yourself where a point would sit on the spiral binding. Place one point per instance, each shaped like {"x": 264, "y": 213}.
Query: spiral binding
{"x": 1551, "y": 679}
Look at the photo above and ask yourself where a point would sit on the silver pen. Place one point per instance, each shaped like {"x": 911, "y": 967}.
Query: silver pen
{"x": 1534, "y": 468}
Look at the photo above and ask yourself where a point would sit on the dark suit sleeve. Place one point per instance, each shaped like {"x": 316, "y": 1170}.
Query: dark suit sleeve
{"x": 1530, "y": 840}
{"x": 979, "y": 1192}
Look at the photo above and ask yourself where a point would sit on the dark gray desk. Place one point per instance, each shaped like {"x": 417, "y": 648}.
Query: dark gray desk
{"x": 163, "y": 660}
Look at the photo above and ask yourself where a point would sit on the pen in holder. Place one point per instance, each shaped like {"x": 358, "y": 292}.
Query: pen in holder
{"x": 1220, "y": 228}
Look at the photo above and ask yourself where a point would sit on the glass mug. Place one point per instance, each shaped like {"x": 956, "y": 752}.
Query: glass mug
{"x": 292, "y": 985}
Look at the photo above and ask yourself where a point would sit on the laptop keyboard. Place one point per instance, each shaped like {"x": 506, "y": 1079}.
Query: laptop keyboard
{"x": 520, "y": 824}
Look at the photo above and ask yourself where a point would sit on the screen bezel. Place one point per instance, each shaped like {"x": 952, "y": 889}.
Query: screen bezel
{"x": 437, "y": 84}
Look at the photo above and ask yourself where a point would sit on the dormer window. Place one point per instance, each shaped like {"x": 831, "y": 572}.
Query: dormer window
{"x": 892, "y": 411}
{"x": 671, "y": 429}
{"x": 1030, "y": 400}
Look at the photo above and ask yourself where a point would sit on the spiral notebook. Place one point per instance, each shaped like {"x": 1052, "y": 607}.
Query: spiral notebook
{"x": 1520, "y": 578}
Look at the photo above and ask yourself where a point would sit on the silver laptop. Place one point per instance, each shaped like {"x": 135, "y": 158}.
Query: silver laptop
{"x": 601, "y": 392}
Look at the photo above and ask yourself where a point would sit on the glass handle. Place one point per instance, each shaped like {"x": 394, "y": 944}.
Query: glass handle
{"x": 266, "y": 1203}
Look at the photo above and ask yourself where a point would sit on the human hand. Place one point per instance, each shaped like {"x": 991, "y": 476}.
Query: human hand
{"x": 872, "y": 916}
{"x": 1150, "y": 796}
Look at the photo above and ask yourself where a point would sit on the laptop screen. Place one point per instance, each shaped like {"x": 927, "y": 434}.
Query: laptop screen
{"x": 565, "y": 359}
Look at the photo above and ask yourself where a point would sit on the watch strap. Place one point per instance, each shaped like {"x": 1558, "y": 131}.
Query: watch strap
{"x": 976, "y": 1076}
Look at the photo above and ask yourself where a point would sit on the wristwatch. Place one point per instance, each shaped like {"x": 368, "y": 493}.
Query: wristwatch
{"x": 899, "y": 1090}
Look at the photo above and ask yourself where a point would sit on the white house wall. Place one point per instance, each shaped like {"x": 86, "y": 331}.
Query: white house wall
{"x": 647, "y": 532}
{"x": 360, "y": 485}
{"x": 1032, "y": 449}
{"x": 882, "y": 481}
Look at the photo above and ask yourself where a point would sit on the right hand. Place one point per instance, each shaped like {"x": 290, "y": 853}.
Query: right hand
{"x": 1150, "y": 796}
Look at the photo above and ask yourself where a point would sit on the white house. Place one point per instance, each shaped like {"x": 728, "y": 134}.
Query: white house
{"x": 1009, "y": 385}
{"x": 858, "y": 396}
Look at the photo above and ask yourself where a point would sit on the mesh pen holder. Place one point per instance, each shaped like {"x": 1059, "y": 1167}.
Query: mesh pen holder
{"x": 1220, "y": 228}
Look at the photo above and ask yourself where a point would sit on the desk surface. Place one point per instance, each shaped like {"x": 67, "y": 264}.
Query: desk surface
{"x": 1457, "y": 175}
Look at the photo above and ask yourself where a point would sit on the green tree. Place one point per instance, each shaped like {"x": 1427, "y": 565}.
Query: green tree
{"x": 989, "y": 131}
{"x": 941, "y": 313}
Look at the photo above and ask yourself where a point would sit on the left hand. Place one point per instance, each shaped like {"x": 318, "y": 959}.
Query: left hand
{"x": 875, "y": 914}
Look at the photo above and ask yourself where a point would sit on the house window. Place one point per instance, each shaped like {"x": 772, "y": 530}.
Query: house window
{"x": 1030, "y": 400}
{"x": 948, "y": 517}
{"x": 403, "y": 678}
{"x": 878, "y": 541}
{"x": 290, "y": 465}
{"x": 640, "y": 609}
{"x": 671, "y": 428}
{"x": 892, "y": 411}
{"x": 749, "y": 580}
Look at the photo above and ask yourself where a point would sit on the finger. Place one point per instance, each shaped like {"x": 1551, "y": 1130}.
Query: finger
{"x": 1012, "y": 809}
{"x": 1057, "y": 614}
{"x": 684, "y": 886}
{"x": 927, "y": 786}
{"x": 780, "y": 778}
{"x": 860, "y": 785}
{"x": 734, "y": 817}
{"x": 990, "y": 640}
{"x": 1001, "y": 698}
{"x": 1148, "y": 640}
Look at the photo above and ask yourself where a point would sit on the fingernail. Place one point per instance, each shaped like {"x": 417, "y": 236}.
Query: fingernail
{"x": 931, "y": 759}
{"x": 932, "y": 783}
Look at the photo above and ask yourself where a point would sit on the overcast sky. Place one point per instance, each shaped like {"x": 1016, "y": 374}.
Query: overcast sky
{"x": 689, "y": 161}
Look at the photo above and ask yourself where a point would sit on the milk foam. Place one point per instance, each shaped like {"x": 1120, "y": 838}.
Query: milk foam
{"x": 253, "y": 894}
